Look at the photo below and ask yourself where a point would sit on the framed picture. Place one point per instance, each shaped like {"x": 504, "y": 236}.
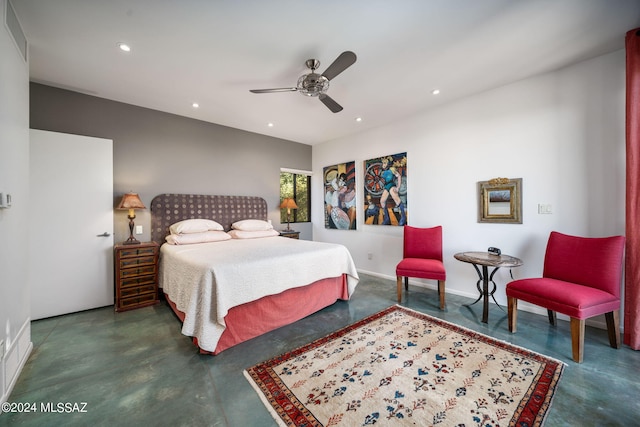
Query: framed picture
{"x": 385, "y": 190}
{"x": 500, "y": 200}
{"x": 340, "y": 210}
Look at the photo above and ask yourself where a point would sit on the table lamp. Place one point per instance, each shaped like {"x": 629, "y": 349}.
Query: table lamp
{"x": 132, "y": 202}
{"x": 289, "y": 204}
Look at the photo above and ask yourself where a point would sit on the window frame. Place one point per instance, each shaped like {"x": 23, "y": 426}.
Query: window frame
{"x": 294, "y": 214}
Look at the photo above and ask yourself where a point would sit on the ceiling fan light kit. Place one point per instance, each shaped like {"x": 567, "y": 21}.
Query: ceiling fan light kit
{"x": 312, "y": 84}
{"x": 316, "y": 85}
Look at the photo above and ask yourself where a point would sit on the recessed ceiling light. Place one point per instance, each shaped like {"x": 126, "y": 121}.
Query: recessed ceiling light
{"x": 270, "y": 125}
{"x": 195, "y": 105}
{"x": 358, "y": 119}
{"x": 124, "y": 47}
{"x": 435, "y": 92}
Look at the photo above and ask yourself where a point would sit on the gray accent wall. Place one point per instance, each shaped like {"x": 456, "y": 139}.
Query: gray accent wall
{"x": 156, "y": 152}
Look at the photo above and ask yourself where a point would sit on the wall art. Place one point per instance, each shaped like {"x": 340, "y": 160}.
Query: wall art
{"x": 500, "y": 200}
{"x": 340, "y": 210}
{"x": 385, "y": 190}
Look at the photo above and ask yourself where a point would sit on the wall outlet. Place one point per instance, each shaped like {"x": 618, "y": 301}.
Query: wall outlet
{"x": 369, "y": 255}
{"x": 138, "y": 229}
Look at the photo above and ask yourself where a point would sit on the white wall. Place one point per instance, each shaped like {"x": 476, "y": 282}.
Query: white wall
{"x": 14, "y": 179}
{"x": 562, "y": 133}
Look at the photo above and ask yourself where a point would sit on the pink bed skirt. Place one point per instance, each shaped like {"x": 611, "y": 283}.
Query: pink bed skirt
{"x": 255, "y": 318}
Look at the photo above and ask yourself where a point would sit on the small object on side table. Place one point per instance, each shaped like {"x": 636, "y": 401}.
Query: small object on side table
{"x": 487, "y": 259}
{"x": 292, "y": 234}
{"x": 136, "y": 275}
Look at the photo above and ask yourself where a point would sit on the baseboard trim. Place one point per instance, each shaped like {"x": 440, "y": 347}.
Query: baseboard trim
{"x": 15, "y": 359}
{"x": 596, "y": 322}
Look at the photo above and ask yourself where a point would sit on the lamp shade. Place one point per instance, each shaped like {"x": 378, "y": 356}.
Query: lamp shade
{"x": 288, "y": 203}
{"x": 131, "y": 201}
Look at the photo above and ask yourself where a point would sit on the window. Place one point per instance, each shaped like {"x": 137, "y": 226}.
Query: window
{"x": 297, "y": 185}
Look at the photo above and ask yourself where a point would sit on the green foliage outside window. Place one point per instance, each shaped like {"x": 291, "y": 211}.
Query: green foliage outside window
{"x": 298, "y": 187}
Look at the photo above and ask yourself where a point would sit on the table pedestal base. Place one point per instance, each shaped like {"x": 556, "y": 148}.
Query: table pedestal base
{"x": 487, "y": 260}
{"x": 485, "y": 278}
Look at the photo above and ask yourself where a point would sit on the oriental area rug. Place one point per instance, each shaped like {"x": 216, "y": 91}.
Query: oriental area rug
{"x": 400, "y": 367}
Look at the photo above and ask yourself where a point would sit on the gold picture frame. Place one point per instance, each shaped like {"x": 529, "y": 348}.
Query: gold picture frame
{"x": 500, "y": 201}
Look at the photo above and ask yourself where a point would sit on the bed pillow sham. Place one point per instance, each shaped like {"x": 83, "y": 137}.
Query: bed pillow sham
{"x": 240, "y": 234}
{"x": 200, "y": 225}
{"x": 192, "y": 238}
{"x": 252, "y": 225}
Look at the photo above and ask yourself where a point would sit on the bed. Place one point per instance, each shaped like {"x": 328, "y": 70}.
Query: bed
{"x": 227, "y": 292}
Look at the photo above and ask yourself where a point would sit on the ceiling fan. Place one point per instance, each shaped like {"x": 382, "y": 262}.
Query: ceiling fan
{"x": 316, "y": 85}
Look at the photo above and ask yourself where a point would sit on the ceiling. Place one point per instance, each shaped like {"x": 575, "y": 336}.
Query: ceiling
{"x": 213, "y": 51}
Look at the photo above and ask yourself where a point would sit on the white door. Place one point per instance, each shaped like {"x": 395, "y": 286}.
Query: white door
{"x": 71, "y": 225}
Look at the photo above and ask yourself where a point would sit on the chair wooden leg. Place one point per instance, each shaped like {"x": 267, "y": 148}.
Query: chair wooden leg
{"x": 406, "y": 283}
{"x": 441, "y": 294}
{"x": 613, "y": 327}
{"x": 512, "y": 310}
{"x": 399, "y": 284}
{"x": 577, "y": 339}
{"x": 552, "y": 317}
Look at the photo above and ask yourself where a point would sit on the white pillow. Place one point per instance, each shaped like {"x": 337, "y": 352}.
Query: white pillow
{"x": 240, "y": 234}
{"x": 191, "y": 238}
{"x": 195, "y": 226}
{"x": 252, "y": 225}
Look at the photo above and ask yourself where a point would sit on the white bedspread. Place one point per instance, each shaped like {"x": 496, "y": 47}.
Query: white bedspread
{"x": 206, "y": 280}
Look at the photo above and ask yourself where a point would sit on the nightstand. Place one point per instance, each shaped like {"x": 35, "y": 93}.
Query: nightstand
{"x": 136, "y": 275}
{"x": 292, "y": 234}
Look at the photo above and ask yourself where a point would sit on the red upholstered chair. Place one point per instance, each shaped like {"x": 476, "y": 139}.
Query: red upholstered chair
{"x": 422, "y": 258}
{"x": 581, "y": 279}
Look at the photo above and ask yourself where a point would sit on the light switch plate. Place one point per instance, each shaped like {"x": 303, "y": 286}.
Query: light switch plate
{"x": 545, "y": 209}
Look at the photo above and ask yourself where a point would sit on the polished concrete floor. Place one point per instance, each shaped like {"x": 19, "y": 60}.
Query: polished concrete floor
{"x": 136, "y": 369}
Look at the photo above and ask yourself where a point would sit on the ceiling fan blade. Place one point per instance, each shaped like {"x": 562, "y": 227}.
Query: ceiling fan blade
{"x": 281, "y": 89}
{"x": 342, "y": 62}
{"x": 330, "y": 103}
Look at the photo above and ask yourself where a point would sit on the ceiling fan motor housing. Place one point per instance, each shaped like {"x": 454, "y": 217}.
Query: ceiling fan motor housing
{"x": 312, "y": 84}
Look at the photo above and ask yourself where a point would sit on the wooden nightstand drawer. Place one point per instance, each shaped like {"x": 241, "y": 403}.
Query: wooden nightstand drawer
{"x": 142, "y": 260}
{"x": 136, "y": 275}
{"x": 138, "y": 281}
{"x": 136, "y": 302}
{"x": 137, "y": 251}
{"x": 138, "y": 290}
{"x": 138, "y": 271}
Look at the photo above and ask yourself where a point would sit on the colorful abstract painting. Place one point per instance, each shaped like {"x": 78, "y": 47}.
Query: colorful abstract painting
{"x": 340, "y": 196}
{"x": 385, "y": 190}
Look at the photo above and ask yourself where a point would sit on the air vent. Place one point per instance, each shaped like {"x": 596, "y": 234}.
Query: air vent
{"x": 13, "y": 25}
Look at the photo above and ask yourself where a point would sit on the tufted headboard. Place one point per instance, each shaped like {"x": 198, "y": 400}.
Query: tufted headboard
{"x": 167, "y": 209}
